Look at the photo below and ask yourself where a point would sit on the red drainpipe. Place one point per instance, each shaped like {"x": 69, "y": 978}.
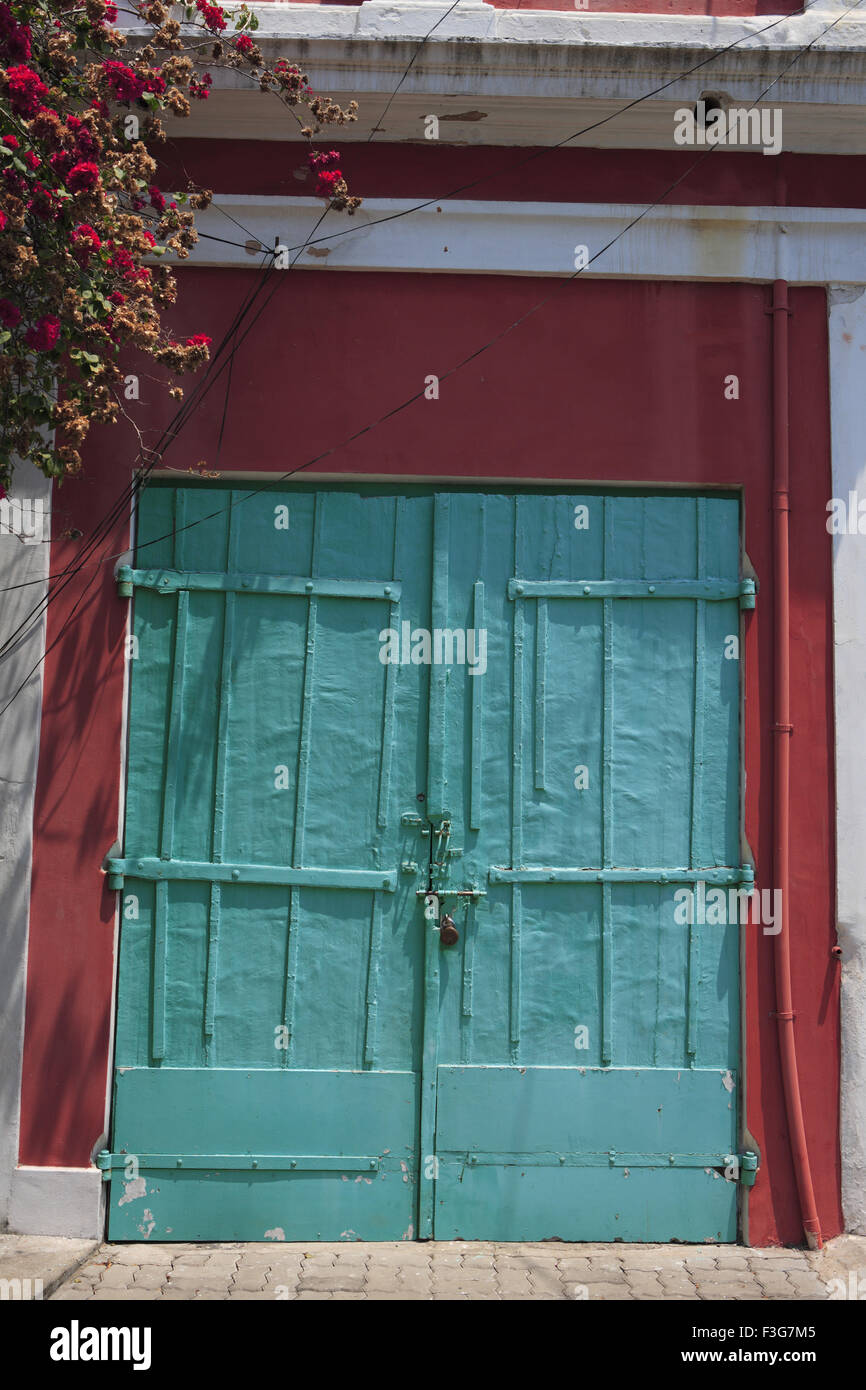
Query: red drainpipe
{"x": 783, "y": 729}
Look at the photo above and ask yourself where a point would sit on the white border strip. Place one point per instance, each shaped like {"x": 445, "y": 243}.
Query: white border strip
{"x": 847, "y": 334}
{"x": 809, "y": 246}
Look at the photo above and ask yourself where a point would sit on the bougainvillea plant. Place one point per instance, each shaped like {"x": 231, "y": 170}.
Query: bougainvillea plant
{"x": 86, "y": 234}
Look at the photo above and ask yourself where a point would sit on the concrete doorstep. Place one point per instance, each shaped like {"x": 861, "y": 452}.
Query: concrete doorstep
{"x": 35, "y": 1266}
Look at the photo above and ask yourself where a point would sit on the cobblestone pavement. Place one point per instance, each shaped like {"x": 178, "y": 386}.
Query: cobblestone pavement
{"x": 463, "y": 1270}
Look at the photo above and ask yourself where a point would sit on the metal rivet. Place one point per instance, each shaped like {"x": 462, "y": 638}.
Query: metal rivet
{"x": 652, "y": 588}
{"x": 236, "y": 873}
{"x": 387, "y": 589}
{"x": 518, "y": 588}
{"x": 372, "y": 1163}
{"x": 586, "y": 589}
{"x": 309, "y": 586}
{"x": 294, "y": 1163}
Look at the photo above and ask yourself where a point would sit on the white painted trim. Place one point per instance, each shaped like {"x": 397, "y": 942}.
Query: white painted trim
{"x": 25, "y": 566}
{"x": 814, "y": 245}
{"x": 473, "y": 21}
{"x": 847, "y": 335}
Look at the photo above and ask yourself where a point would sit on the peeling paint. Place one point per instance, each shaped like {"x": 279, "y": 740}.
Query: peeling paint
{"x": 728, "y": 1081}
{"x": 409, "y": 1233}
{"x": 349, "y": 1235}
{"x": 132, "y": 1190}
{"x": 320, "y": 252}
{"x": 148, "y": 1224}
{"x": 464, "y": 116}
{"x": 276, "y": 1234}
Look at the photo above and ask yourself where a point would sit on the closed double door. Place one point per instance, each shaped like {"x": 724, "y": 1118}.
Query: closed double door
{"x": 419, "y": 783}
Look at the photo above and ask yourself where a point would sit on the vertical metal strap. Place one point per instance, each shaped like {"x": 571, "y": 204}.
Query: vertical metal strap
{"x": 160, "y": 924}
{"x": 174, "y": 719}
{"x": 516, "y": 945}
{"x": 476, "y": 684}
{"x": 516, "y": 794}
{"x": 606, "y": 975}
{"x": 213, "y": 945}
{"x": 607, "y": 689}
{"x": 696, "y": 847}
{"x": 225, "y": 690}
{"x": 468, "y": 968}
{"x": 291, "y": 974}
{"x": 476, "y": 690}
{"x": 370, "y": 1028}
{"x": 541, "y": 644}
{"x": 437, "y": 775}
{"x": 390, "y": 680}
{"x": 307, "y": 698}
{"x": 693, "y": 988}
{"x": 607, "y": 797}
{"x": 429, "y": 1065}
{"x": 179, "y": 537}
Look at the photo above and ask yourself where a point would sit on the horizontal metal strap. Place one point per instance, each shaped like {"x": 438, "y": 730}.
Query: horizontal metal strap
{"x": 243, "y": 1163}
{"x": 745, "y": 874}
{"x": 170, "y": 581}
{"x": 713, "y": 590}
{"x": 600, "y": 1159}
{"x": 185, "y": 870}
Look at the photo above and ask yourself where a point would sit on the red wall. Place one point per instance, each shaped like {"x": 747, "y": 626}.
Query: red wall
{"x": 613, "y": 381}
{"x": 498, "y": 173}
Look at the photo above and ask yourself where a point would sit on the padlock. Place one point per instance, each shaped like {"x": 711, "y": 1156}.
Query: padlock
{"x": 448, "y": 933}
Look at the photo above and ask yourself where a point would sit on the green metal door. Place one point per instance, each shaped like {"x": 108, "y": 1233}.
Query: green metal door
{"x": 587, "y": 1036}
{"x": 518, "y": 705}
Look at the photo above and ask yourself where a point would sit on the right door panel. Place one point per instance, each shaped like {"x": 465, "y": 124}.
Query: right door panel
{"x": 587, "y": 1048}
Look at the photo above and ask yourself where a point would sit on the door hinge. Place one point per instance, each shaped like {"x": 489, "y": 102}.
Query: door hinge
{"x": 748, "y": 592}
{"x": 125, "y": 585}
{"x": 747, "y": 1167}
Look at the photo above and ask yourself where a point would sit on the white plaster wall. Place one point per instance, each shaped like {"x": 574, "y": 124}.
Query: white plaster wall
{"x": 20, "y": 564}
{"x": 848, "y": 423}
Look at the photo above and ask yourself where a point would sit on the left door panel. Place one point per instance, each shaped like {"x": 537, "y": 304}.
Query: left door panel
{"x": 271, "y": 957}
